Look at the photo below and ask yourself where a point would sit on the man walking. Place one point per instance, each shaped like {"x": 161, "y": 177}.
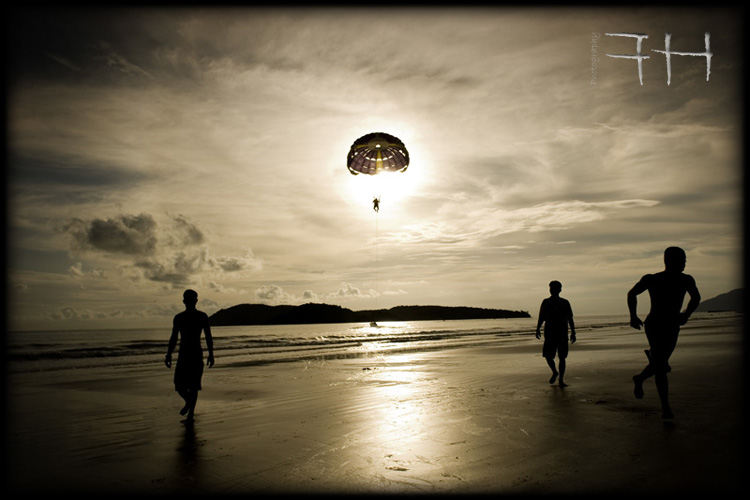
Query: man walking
{"x": 556, "y": 314}
{"x": 188, "y": 373}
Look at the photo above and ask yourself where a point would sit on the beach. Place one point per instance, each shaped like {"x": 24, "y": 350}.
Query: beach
{"x": 478, "y": 418}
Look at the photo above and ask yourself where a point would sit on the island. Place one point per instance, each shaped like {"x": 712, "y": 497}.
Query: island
{"x": 730, "y": 301}
{"x": 262, "y": 314}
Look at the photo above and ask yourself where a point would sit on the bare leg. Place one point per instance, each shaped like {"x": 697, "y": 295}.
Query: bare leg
{"x": 562, "y": 372}
{"x": 184, "y": 394}
{"x": 660, "y": 367}
{"x": 646, "y": 373}
{"x": 662, "y": 387}
{"x": 551, "y": 363}
{"x": 661, "y": 346}
{"x": 190, "y": 403}
{"x": 639, "y": 379}
{"x": 638, "y": 389}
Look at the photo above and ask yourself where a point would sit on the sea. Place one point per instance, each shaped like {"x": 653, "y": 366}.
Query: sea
{"x": 33, "y": 351}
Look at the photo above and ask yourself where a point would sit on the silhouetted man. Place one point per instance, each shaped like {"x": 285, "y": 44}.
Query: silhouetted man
{"x": 667, "y": 291}
{"x": 556, "y": 314}
{"x": 376, "y": 204}
{"x": 188, "y": 373}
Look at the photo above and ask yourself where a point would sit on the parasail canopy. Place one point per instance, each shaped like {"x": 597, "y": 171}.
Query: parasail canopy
{"x": 376, "y": 153}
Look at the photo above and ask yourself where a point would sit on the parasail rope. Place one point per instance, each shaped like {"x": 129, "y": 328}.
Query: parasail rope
{"x": 377, "y": 265}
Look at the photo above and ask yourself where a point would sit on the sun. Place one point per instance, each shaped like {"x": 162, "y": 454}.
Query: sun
{"x": 393, "y": 188}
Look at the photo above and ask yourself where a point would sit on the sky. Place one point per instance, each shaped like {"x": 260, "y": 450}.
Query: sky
{"x": 151, "y": 150}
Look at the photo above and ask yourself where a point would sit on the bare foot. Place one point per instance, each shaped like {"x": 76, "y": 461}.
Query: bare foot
{"x": 553, "y": 378}
{"x": 563, "y": 384}
{"x": 638, "y": 390}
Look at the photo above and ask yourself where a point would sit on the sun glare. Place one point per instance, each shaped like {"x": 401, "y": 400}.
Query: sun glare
{"x": 393, "y": 188}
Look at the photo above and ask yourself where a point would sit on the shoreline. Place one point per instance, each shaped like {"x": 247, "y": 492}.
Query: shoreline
{"x": 474, "y": 419}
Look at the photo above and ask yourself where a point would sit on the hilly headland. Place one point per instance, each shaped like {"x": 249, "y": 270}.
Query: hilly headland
{"x": 262, "y": 314}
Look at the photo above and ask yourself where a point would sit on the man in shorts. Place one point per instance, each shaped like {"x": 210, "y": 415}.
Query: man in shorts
{"x": 667, "y": 291}
{"x": 188, "y": 373}
{"x": 556, "y": 314}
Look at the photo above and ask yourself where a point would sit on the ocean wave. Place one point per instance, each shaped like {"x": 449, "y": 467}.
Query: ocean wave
{"x": 242, "y": 346}
{"x": 238, "y": 345}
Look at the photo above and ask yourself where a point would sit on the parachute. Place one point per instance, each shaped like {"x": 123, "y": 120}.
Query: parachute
{"x": 377, "y": 152}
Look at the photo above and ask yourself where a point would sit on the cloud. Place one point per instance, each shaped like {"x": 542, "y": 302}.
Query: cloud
{"x": 115, "y": 60}
{"x": 485, "y": 222}
{"x": 274, "y": 294}
{"x": 64, "y": 61}
{"x": 186, "y": 233}
{"x": 124, "y": 234}
{"x": 177, "y": 268}
{"x": 176, "y": 253}
{"x": 66, "y": 313}
{"x": 184, "y": 266}
{"x": 219, "y": 288}
{"x": 349, "y": 291}
{"x": 76, "y": 270}
{"x": 70, "y": 313}
{"x": 238, "y": 263}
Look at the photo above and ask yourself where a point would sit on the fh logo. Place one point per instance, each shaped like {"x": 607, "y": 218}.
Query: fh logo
{"x": 668, "y": 53}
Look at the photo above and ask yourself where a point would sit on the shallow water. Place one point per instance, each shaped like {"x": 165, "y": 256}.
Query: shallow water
{"x": 260, "y": 344}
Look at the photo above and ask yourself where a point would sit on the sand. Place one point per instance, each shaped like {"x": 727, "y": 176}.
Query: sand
{"x": 475, "y": 419}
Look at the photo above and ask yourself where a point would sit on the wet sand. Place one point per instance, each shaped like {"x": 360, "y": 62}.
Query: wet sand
{"x": 466, "y": 420}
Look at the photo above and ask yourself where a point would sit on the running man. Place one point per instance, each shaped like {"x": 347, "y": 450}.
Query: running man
{"x": 667, "y": 292}
{"x": 188, "y": 373}
{"x": 556, "y": 314}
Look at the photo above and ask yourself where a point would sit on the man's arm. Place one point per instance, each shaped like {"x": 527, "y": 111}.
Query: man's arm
{"x": 638, "y": 289}
{"x": 540, "y": 321}
{"x": 209, "y": 343}
{"x": 572, "y": 325}
{"x": 695, "y": 300}
{"x": 172, "y": 343}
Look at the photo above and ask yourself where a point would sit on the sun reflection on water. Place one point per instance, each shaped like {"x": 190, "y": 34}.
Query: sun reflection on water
{"x": 403, "y": 441}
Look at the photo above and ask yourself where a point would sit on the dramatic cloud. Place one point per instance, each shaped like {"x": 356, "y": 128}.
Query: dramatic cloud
{"x": 175, "y": 253}
{"x": 124, "y": 234}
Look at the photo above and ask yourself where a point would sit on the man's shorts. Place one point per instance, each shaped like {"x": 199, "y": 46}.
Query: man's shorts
{"x": 662, "y": 339}
{"x": 188, "y": 372}
{"x": 555, "y": 344}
